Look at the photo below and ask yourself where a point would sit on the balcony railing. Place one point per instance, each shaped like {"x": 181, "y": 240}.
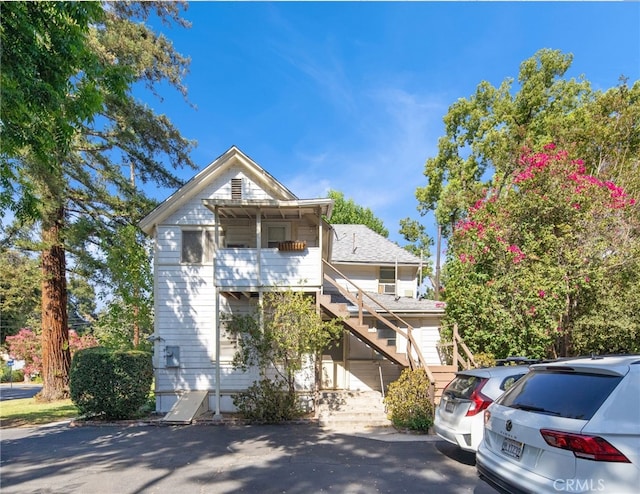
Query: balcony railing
{"x": 245, "y": 269}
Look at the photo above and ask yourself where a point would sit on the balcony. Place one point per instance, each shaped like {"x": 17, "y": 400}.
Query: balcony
{"x": 244, "y": 269}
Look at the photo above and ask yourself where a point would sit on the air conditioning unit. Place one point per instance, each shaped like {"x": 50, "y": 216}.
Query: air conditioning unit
{"x": 387, "y": 288}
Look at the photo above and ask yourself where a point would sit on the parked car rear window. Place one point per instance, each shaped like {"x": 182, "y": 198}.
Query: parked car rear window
{"x": 562, "y": 394}
{"x": 462, "y": 386}
{"x": 510, "y": 381}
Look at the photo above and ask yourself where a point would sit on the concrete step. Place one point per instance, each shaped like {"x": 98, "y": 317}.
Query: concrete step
{"x": 351, "y": 410}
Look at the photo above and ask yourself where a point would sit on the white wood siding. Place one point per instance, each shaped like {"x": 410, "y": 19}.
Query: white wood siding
{"x": 407, "y": 284}
{"x": 367, "y": 278}
{"x": 364, "y": 277}
{"x": 239, "y": 268}
{"x": 365, "y": 375}
{"x": 193, "y": 212}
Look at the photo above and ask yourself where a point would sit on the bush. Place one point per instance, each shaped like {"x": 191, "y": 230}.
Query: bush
{"x": 8, "y": 375}
{"x": 113, "y": 384}
{"x": 409, "y": 401}
{"x": 484, "y": 359}
{"x": 267, "y": 401}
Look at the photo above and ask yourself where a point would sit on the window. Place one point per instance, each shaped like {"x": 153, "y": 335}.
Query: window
{"x": 236, "y": 188}
{"x": 387, "y": 275}
{"x": 387, "y": 283}
{"x": 277, "y": 233}
{"x": 197, "y": 246}
{"x": 564, "y": 394}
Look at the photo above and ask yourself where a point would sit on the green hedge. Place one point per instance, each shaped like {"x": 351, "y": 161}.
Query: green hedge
{"x": 113, "y": 384}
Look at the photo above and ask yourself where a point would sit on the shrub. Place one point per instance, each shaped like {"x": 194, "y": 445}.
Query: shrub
{"x": 409, "y": 402}
{"x": 267, "y": 401}
{"x": 113, "y": 384}
{"x": 484, "y": 359}
{"x": 9, "y": 375}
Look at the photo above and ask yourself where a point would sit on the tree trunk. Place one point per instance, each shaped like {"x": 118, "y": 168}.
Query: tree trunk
{"x": 56, "y": 358}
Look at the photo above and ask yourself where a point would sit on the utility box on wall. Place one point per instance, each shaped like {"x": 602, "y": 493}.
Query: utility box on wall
{"x": 172, "y": 354}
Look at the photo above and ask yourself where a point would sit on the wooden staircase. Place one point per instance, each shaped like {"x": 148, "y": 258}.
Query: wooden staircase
{"x": 370, "y": 335}
{"x": 439, "y": 375}
{"x": 443, "y": 375}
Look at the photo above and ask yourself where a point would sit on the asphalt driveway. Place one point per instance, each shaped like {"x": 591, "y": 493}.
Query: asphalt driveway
{"x": 17, "y": 391}
{"x": 225, "y": 459}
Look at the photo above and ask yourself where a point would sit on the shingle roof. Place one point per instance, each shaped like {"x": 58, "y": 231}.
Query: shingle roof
{"x": 397, "y": 305}
{"x": 360, "y": 244}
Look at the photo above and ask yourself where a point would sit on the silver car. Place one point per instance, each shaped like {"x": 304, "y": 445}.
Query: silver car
{"x": 459, "y": 415}
{"x": 567, "y": 426}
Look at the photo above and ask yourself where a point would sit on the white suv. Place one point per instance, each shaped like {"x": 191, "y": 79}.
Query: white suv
{"x": 565, "y": 427}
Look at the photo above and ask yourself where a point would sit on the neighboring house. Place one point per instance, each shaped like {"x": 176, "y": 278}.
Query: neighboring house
{"x": 234, "y": 232}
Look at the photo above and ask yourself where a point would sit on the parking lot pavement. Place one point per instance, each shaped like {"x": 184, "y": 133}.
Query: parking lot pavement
{"x": 224, "y": 459}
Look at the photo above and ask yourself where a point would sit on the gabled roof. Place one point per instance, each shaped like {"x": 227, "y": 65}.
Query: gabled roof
{"x": 358, "y": 244}
{"x": 232, "y": 157}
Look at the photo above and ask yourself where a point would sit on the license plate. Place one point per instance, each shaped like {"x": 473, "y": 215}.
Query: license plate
{"x": 449, "y": 406}
{"x": 512, "y": 448}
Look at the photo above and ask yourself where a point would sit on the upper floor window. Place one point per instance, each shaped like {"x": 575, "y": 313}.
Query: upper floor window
{"x": 278, "y": 232}
{"x": 387, "y": 281}
{"x": 236, "y": 188}
{"x": 197, "y": 246}
{"x": 387, "y": 275}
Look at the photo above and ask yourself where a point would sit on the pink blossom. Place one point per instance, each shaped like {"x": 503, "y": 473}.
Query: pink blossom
{"x": 541, "y": 293}
{"x": 519, "y": 255}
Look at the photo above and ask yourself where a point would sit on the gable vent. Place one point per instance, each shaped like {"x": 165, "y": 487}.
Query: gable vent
{"x": 236, "y": 188}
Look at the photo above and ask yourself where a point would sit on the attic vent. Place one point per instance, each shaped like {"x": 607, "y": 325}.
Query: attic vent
{"x": 236, "y": 188}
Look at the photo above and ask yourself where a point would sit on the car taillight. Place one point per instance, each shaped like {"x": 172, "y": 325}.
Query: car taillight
{"x": 478, "y": 401}
{"x": 583, "y": 446}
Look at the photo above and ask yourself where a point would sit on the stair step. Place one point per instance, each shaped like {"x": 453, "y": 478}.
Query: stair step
{"x": 351, "y": 409}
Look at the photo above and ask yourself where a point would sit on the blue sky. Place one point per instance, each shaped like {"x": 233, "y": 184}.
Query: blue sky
{"x": 350, "y": 95}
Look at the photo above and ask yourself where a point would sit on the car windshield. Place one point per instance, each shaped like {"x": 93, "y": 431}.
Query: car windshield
{"x": 462, "y": 386}
{"x": 564, "y": 394}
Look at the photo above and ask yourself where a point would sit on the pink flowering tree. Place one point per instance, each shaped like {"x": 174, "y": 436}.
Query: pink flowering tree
{"x": 26, "y": 345}
{"x": 548, "y": 266}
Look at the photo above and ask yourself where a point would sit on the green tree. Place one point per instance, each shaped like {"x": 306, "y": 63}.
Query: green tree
{"x": 83, "y": 193}
{"x": 43, "y": 47}
{"x": 128, "y": 260}
{"x": 279, "y": 338}
{"x": 548, "y": 268}
{"x": 19, "y": 292}
{"x": 347, "y": 212}
{"x": 486, "y": 133}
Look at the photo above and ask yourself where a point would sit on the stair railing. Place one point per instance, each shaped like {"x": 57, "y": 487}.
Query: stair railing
{"x": 458, "y": 360}
{"x": 358, "y": 300}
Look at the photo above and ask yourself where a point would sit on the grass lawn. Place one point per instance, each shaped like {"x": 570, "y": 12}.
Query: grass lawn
{"x": 27, "y": 411}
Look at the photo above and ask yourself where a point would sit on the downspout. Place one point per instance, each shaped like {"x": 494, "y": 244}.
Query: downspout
{"x": 259, "y": 248}
{"x": 396, "y": 278}
{"x": 259, "y": 265}
{"x": 217, "y": 415}
{"x": 320, "y": 244}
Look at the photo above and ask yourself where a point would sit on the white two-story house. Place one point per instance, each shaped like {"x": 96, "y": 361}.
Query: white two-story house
{"x": 234, "y": 232}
